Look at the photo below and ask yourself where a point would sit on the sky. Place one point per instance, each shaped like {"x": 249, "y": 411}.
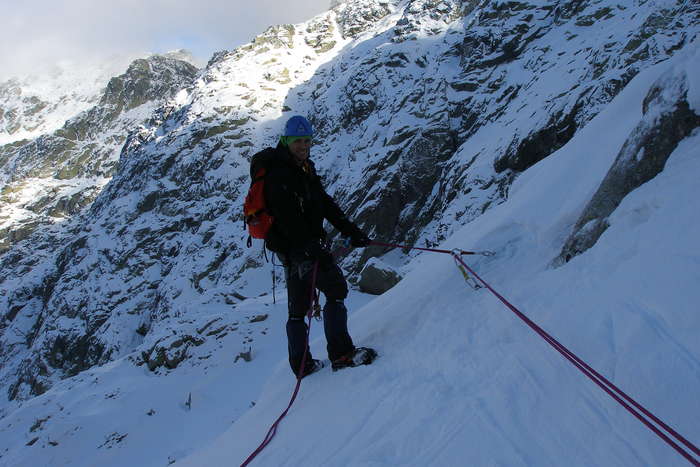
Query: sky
{"x": 44, "y": 32}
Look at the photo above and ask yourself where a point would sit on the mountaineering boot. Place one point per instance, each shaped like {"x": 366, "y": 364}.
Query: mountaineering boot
{"x": 359, "y": 356}
{"x": 312, "y": 367}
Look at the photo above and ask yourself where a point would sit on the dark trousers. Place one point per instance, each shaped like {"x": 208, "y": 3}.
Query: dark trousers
{"x": 330, "y": 281}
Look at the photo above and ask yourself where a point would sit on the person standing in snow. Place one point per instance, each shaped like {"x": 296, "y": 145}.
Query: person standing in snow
{"x": 298, "y": 203}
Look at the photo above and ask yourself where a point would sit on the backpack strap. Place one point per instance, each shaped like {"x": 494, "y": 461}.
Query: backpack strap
{"x": 261, "y": 160}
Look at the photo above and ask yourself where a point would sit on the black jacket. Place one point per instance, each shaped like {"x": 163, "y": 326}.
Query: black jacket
{"x": 296, "y": 199}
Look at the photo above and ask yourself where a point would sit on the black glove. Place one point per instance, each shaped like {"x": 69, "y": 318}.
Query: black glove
{"x": 359, "y": 239}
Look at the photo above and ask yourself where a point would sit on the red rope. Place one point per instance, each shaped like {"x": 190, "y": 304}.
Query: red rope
{"x": 611, "y": 389}
{"x": 273, "y": 429}
{"x": 433, "y": 250}
{"x": 607, "y": 386}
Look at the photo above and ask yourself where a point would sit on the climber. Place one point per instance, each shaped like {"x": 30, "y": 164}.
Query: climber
{"x": 298, "y": 205}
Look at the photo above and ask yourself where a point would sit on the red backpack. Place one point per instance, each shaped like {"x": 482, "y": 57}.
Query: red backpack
{"x": 255, "y": 214}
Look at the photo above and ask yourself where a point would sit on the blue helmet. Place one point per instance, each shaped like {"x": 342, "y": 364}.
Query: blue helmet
{"x": 298, "y": 126}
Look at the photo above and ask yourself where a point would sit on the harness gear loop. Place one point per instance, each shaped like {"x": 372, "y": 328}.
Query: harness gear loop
{"x": 317, "y": 307}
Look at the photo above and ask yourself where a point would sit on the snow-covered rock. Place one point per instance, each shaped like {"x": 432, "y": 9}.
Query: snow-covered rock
{"x": 37, "y": 104}
{"x": 668, "y": 118}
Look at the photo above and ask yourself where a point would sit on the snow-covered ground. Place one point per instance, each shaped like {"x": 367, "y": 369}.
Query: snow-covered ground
{"x": 460, "y": 380}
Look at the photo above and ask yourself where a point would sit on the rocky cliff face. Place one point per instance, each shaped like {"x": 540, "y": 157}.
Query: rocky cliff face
{"x": 504, "y": 89}
{"x": 425, "y": 111}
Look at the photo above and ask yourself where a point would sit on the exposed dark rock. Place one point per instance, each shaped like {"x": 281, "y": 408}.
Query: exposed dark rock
{"x": 39, "y": 424}
{"x": 245, "y": 356}
{"x": 355, "y": 18}
{"x": 320, "y": 35}
{"x": 146, "y": 80}
{"x": 74, "y": 353}
{"x": 32, "y": 380}
{"x": 170, "y": 352}
{"x": 400, "y": 208}
{"x": 558, "y": 131}
{"x": 377, "y": 277}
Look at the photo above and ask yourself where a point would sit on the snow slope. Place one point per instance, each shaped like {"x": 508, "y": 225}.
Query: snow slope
{"x": 122, "y": 414}
{"x": 461, "y": 382}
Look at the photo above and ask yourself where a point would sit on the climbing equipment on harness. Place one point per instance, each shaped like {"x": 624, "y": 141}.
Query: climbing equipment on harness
{"x": 316, "y": 307}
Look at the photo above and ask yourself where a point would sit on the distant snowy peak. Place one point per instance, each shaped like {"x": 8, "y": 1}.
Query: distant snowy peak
{"x": 183, "y": 55}
{"x": 56, "y": 175}
{"x": 41, "y": 102}
{"x": 147, "y": 79}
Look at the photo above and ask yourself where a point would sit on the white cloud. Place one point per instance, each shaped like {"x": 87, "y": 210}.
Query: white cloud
{"x": 41, "y": 32}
